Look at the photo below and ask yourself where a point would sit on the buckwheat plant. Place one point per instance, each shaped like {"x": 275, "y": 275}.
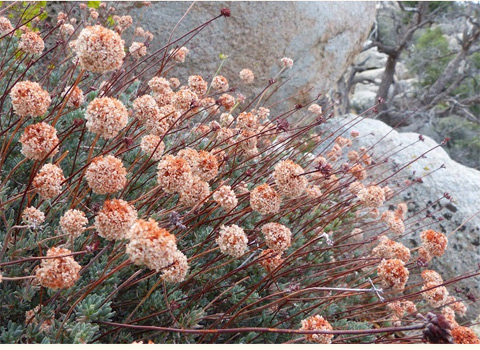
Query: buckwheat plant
{"x": 138, "y": 206}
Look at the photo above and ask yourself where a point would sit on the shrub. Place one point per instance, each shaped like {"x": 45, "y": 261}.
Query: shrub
{"x": 248, "y": 225}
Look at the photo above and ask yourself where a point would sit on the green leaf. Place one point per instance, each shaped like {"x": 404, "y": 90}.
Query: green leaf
{"x": 93, "y": 4}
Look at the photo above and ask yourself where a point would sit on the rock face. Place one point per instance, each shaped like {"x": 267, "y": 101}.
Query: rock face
{"x": 321, "y": 37}
{"x": 460, "y": 182}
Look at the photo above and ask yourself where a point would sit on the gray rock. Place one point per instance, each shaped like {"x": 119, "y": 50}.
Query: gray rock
{"x": 460, "y": 182}
{"x": 364, "y": 96}
{"x": 321, "y": 37}
{"x": 371, "y": 58}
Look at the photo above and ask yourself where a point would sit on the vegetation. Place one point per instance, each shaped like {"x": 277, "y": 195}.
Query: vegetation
{"x": 138, "y": 208}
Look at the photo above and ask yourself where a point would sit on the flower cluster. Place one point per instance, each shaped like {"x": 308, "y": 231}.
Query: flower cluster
{"x": 33, "y": 217}
{"x": 393, "y": 274}
{"x": 115, "y": 219}
{"x": 277, "y": 237}
{"x": 73, "y": 222}
{"x": 106, "y": 175}
{"x": 152, "y": 146}
{"x": 232, "y": 240}
{"x": 58, "y": 271}
{"x": 434, "y": 242}
{"x": 99, "y": 49}
{"x": 29, "y": 99}
{"x": 31, "y": 43}
{"x": 39, "y": 140}
{"x": 388, "y": 249}
{"x": 174, "y": 174}
{"x": 76, "y": 98}
{"x": 106, "y": 116}
{"x": 289, "y": 179}
{"x": 48, "y": 181}
{"x": 150, "y": 245}
{"x": 225, "y": 197}
{"x": 372, "y": 196}
{"x": 317, "y": 323}
{"x": 270, "y": 260}
{"x": 265, "y": 199}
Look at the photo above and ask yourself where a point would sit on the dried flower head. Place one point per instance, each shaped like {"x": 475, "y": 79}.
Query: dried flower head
{"x": 224, "y": 135}
{"x": 152, "y": 146}
{"x": 401, "y": 210}
{"x": 394, "y": 222}
{"x": 56, "y": 273}
{"x": 388, "y": 249}
{"x": 99, "y": 49}
{"x": 183, "y": 99}
{"x": 358, "y": 172}
{"x": 289, "y": 179}
{"x": 34, "y": 318}
{"x": 29, "y": 99}
{"x": 146, "y": 108}
{"x": 435, "y": 297}
{"x": 48, "y": 181}
{"x": 5, "y": 26}
{"x": 270, "y": 260}
{"x": 191, "y": 156}
{"x": 159, "y": 84}
{"x": 157, "y": 124}
{"x": 232, "y": 240}
{"x": 393, "y": 274}
{"x": 179, "y": 54}
{"x": 424, "y": 257}
{"x": 277, "y": 237}
{"x": 247, "y": 140}
{"x": 207, "y": 166}
{"x": 123, "y": 21}
{"x": 106, "y": 116}
{"x": 371, "y": 197}
{"x": 174, "y": 82}
{"x": 194, "y": 194}
{"x": 174, "y": 174}
{"x": 355, "y": 187}
{"x": 67, "y": 29}
{"x": 227, "y": 101}
{"x": 210, "y": 105}
{"x": 115, "y": 219}
{"x": 459, "y": 307}
{"x": 247, "y": 120}
{"x": 39, "y": 140}
{"x": 76, "y": 98}
{"x": 33, "y": 217}
{"x": 313, "y": 192}
{"x": 137, "y": 50}
{"x": 449, "y": 315}
{"x": 73, "y": 222}
{"x": 464, "y": 335}
{"x": 220, "y": 83}
{"x": 150, "y": 245}
{"x": 315, "y": 109}
{"x": 31, "y": 43}
{"x": 287, "y": 62}
{"x": 399, "y": 308}
{"x": 226, "y": 119}
{"x": 432, "y": 276}
{"x": 434, "y": 242}
{"x": 225, "y": 197}
{"x": 197, "y": 85}
{"x": 246, "y": 75}
{"x": 265, "y": 200}
{"x": 317, "y": 323}
{"x": 106, "y": 175}
{"x": 177, "y": 272}
{"x": 263, "y": 113}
